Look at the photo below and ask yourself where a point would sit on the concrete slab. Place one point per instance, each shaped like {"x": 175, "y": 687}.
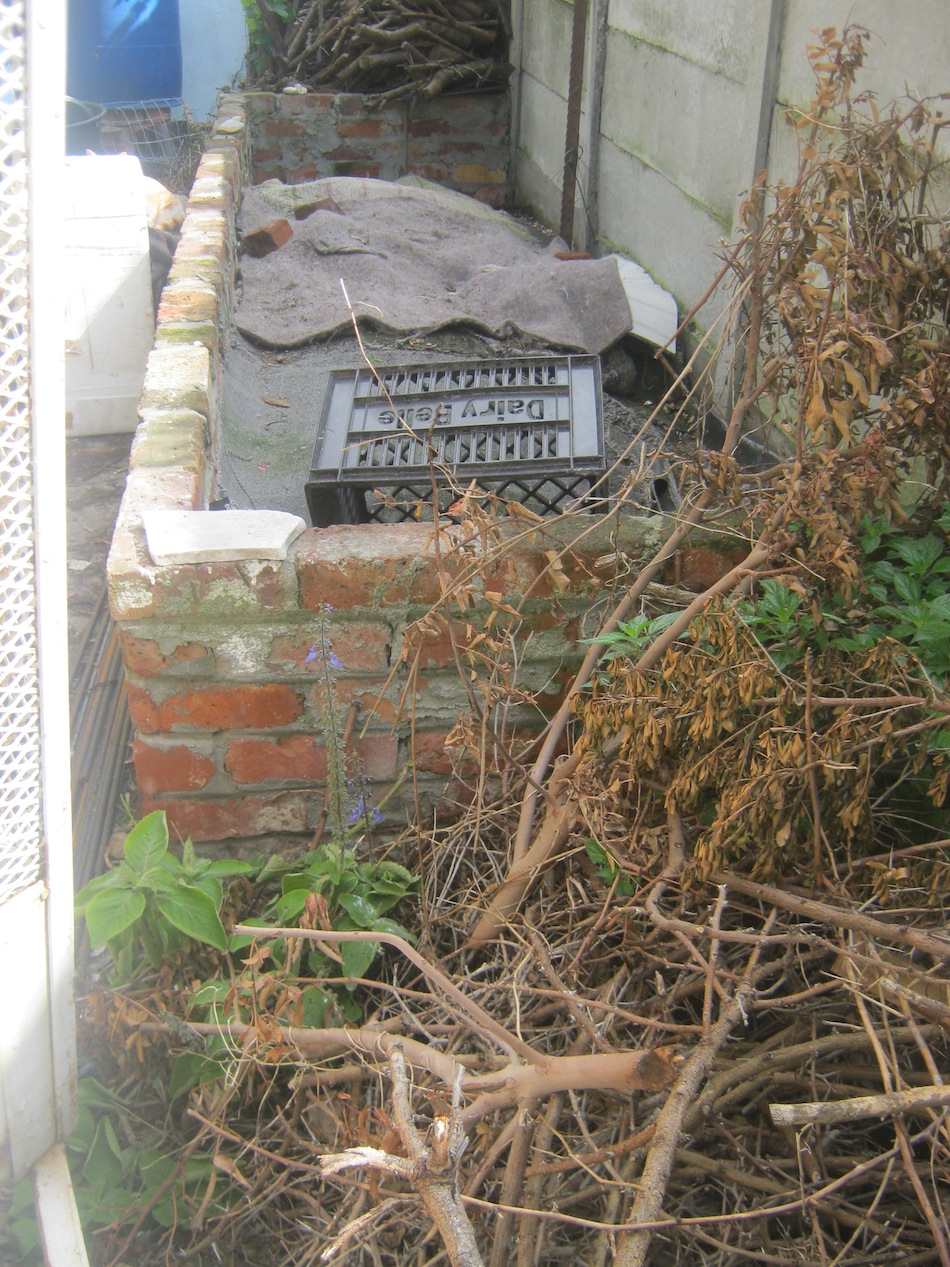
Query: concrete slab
{"x": 208, "y": 536}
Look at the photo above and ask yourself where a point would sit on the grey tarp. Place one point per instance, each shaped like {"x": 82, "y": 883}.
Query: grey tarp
{"x": 415, "y": 258}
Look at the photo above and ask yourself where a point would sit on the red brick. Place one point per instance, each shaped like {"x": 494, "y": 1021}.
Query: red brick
{"x": 431, "y": 756}
{"x": 268, "y": 237}
{"x": 342, "y": 153}
{"x": 178, "y": 769}
{"x": 303, "y": 759}
{"x": 350, "y": 103}
{"x": 284, "y": 127}
{"x": 437, "y": 172}
{"x": 223, "y": 818}
{"x": 183, "y": 302}
{"x": 433, "y": 648}
{"x": 297, "y": 757}
{"x": 216, "y": 708}
{"x": 359, "y": 646}
{"x": 306, "y": 209}
{"x": 429, "y": 127}
{"x": 378, "y": 755}
{"x": 492, "y": 196}
{"x": 350, "y": 167}
{"x": 143, "y": 656}
{"x": 370, "y": 565}
{"x": 367, "y": 692}
{"x": 360, "y": 128}
{"x": 701, "y": 566}
{"x": 307, "y": 172}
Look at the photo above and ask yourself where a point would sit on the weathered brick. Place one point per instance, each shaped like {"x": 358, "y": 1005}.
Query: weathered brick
{"x": 357, "y": 646}
{"x": 179, "y": 377}
{"x": 283, "y": 127}
{"x": 303, "y": 759}
{"x": 370, "y": 693}
{"x": 477, "y": 174}
{"x": 188, "y": 300}
{"x": 235, "y": 817}
{"x": 361, "y": 128}
{"x": 220, "y": 707}
{"x": 145, "y": 657}
{"x": 431, "y": 755}
{"x": 170, "y": 438}
{"x": 358, "y": 168}
{"x": 294, "y": 757}
{"x": 371, "y": 565}
{"x": 267, "y": 238}
{"x": 171, "y": 769}
{"x": 700, "y": 566}
{"x": 308, "y": 171}
{"x": 306, "y": 209}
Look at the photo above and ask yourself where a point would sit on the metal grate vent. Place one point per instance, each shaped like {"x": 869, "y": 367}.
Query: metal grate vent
{"x": 20, "y": 807}
{"x": 528, "y": 429}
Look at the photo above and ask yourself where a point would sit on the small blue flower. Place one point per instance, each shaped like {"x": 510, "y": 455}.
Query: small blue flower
{"x": 311, "y": 655}
{"x": 335, "y": 661}
{"x": 359, "y": 813}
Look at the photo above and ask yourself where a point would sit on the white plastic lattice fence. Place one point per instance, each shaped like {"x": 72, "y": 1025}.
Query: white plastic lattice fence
{"x": 20, "y": 808}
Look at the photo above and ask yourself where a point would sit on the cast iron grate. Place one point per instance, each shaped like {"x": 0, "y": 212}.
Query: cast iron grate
{"x": 527, "y": 429}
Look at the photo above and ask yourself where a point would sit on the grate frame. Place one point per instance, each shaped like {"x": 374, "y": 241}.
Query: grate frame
{"x": 529, "y": 429}
{"x": 20, "y": 753}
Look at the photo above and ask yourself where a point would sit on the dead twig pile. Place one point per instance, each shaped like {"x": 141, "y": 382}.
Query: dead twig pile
{"x": 386, "y": 48}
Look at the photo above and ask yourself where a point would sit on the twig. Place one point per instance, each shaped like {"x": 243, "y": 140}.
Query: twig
{"x": 633, "y": 1247}
{"x": 861, "y": 1106}
{"x": 900, "y": 934}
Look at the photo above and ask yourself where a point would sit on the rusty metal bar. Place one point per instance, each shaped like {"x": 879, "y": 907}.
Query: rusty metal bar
{"x": 572, "y": 137}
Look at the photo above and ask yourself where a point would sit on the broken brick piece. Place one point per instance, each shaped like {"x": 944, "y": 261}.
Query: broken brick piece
{"x": 321, "y": 204}
{"x": 268, "y": 237}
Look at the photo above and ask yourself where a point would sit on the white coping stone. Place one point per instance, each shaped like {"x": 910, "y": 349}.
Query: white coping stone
{"x": 653, "y": 314}
{"x": 209, "y": 536}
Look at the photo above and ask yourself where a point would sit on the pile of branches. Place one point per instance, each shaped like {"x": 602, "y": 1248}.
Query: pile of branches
{"x": 388, "y": 49}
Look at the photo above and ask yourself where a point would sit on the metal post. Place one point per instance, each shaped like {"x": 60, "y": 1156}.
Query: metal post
{"x": 572, "y": 137}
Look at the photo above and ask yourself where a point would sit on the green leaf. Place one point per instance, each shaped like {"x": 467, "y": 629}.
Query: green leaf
{"x": 361, "y": 911}
{"x": 288, "y": 908}
{"x": 146, "y": 842}
{"x": 384, "y": 925}
{"x": 111, "y": 912}
{"x": 118, "y": 878}
{"x": 315, "y": 1003}
{"x": 193, "y": 913}
{"x": 357, "y": 956}
{"x": 224, "y": 868}
{"x": 192, "y": 1069}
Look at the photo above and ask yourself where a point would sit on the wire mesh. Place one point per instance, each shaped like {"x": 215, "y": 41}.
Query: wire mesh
{"x": 20, "y": 808}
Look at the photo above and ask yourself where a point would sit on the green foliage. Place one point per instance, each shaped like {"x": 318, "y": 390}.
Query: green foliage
{"x": 346, "y": 894}
{"x": 607, "y": 869}
{"x": 632, "y": 637}
{"x": 118, "y": 1167}
{"x": 153, "y": 903}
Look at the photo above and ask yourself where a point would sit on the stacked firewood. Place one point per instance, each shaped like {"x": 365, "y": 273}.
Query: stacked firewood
{"x": 385, "y": 48}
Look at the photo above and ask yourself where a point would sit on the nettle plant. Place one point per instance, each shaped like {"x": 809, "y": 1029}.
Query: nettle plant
{"x": 155, "y": 904}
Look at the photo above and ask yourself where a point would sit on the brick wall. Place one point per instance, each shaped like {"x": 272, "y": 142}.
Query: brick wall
{"x": 461, "y": 142}
{"x": 226, "y": 698}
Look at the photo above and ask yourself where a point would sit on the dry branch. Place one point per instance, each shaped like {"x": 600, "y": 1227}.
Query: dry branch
{"x": 823, "y": 1112}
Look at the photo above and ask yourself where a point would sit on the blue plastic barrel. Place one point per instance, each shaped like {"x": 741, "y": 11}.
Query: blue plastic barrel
{"x": 124, "y": 52}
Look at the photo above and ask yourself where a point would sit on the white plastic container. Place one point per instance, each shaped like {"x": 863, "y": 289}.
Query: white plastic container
{"x": 110, "y": 323}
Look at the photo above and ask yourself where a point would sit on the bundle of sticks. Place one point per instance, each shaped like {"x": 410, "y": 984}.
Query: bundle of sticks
{"x": 388, "y": 48}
